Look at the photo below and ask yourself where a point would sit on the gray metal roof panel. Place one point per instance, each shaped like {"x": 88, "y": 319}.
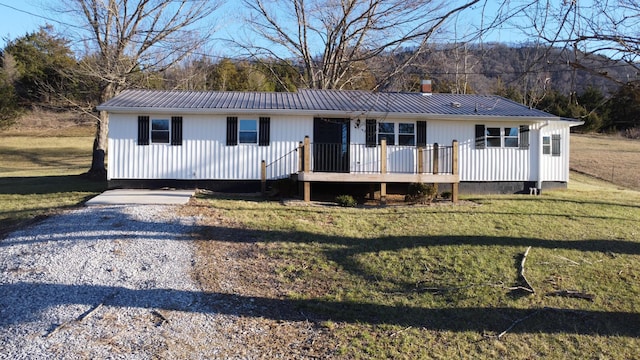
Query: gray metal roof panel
{"x": 347, "y": 101}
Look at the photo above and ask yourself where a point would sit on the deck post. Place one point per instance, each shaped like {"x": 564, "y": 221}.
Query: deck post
{"x": 420, "y": 160}
{"x": 263, "y": 177}
{"x": 307, "y": 167}
{"x": 436, "y": 164}
{"x": 300, "y": 156}
{"x": 454, "y": 169}
{"x": 383, "y": 169}
{"x": 436, "y": 156}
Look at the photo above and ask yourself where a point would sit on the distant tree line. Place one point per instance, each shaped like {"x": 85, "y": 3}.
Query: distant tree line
{"x": 39, "y": 69}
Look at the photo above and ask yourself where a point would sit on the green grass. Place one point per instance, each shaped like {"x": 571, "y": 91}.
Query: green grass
{"x": 433, "y": 282}
{"x": 40, "y": 175}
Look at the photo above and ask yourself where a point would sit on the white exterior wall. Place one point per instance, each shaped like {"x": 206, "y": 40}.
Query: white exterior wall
{"x": 554, "y": 168}
{"x": 203, "y": 154}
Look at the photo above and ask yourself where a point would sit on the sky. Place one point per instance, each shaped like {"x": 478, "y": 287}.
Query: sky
{"x": 19, "y": 17}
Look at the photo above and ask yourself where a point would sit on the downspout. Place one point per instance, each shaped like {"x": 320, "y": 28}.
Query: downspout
{"x": 540, "y": 156}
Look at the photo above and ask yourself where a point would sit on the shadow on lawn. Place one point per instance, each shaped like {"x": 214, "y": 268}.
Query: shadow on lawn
{"x": 22, "y": 302}
{"x": 29, "y": 185}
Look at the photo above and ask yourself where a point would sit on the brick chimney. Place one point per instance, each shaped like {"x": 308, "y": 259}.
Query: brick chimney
{"x": 425, "y": 87}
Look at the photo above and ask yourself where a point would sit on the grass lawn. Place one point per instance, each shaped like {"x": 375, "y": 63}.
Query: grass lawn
{"x": 40, "y": 173}
{"x": 436, "y": 281}
{"x": 398, "y": 281}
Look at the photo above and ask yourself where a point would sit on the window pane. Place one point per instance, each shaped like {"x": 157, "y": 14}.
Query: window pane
{"x": 493, "y": 142}
{"x": 546, "y": 140}
{"x": 248, "y": 137}
{"x": 160, "y": 131}
{"x": 406, "y": 140}
{"x": 493, "y": 131}
{"x": 248, "y": 125}
{"x": 160, "y": 125}
{"x": 511, "y": 142}
{"x": 406, "y": 128}
{"x": 160, "y": 136}
{"x": 386, "y": 128}
{"x": 511, "y": 131}
{"x": 389, "y": 137}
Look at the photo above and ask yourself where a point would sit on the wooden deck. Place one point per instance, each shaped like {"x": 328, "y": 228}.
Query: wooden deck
{"x": 308, "y": 176}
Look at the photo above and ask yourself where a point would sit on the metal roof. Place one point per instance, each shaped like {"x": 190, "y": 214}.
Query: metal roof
{"x": 322, "y": 101}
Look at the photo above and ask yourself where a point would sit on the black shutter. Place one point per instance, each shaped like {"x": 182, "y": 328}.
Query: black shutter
{"x": 264, "y": 131}
{"x": 480, "y": 140}
{"x": 176, "y": 130}
{"x": 555, "y": 145}
{"x": 421, "y": 133}
{"x": 371, "y": 133}
{"x": 524, "y": 137}
{"x": 143, "y": 130}
{"x": 232, "y": 131}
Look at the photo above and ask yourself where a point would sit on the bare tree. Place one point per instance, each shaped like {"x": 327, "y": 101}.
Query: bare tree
{"x": 596, "y": 34}
{"x": 127, "y": 37}
{"x": 332, "y": 39}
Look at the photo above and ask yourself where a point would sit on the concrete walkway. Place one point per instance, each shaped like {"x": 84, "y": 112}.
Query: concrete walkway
{"x": 142, "y": 197}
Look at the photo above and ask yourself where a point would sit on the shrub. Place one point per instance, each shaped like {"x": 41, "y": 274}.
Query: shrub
{"x": 346, "y": 201}
{"x": 446, "y": 195}
{"x": 421, "y": 193}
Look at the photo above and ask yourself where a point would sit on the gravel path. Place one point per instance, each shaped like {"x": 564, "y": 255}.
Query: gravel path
{"x": 109, "y": 282}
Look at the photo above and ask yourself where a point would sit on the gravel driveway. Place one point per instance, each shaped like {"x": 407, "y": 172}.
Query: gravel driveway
{"x": 108, "y": 282}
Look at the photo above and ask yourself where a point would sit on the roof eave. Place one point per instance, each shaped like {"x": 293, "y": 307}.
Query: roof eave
{"x": 322, "y": 113}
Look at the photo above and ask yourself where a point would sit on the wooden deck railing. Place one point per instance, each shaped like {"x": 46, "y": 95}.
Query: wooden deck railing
{"x": 361, "y": 163}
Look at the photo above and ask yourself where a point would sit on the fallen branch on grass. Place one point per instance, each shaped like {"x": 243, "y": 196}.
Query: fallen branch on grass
{"x": 521, "y": 277}
{"x": 572, "y": 294}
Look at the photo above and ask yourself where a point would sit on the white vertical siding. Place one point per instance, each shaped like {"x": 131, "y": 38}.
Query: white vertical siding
{"x": 555, "y": 168}
{"x": 488, "y": 164}
{"x": 203, "y": 154}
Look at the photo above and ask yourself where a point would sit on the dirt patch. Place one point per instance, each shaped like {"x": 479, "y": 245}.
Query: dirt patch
{"x": 234, "y": 262}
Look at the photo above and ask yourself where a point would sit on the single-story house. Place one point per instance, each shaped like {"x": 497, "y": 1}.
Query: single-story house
{"x": 218, "y": 140}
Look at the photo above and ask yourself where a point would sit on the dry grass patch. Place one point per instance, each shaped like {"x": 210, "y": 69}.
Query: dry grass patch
{"x": 611, "y": 158}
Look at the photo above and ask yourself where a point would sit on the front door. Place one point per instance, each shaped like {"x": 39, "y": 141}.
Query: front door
{"x": 331, "y": 145}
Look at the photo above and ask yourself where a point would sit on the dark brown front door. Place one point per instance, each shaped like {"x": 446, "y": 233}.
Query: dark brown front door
{"x": 331, "y": 144}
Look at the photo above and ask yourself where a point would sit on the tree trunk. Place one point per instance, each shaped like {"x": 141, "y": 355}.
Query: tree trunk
{"x": 98, "y": 170}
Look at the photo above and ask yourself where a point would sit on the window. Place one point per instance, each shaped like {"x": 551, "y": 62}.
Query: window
{"x": 406, "y": 134}
{"x": 387, "y": 131}
{"x": 248, "y": 132}
{"x": 546, "y": 145}
{"x": 160, "y": 131}
{"x": 508, "y": 137}
{"x": 493, "y": 137}
{"x": 511, "y": 137}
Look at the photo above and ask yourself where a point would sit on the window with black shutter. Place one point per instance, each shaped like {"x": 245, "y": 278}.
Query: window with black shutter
{"x": 176, "y": 130}
{"x": 143, "y": 130}
{"x": 371, "y": 133}
{"x": 264, "y": 132}
{"x": 480, "y": 137}
{"x": 555, "y": 145}
{"x": 232, "y": 131}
